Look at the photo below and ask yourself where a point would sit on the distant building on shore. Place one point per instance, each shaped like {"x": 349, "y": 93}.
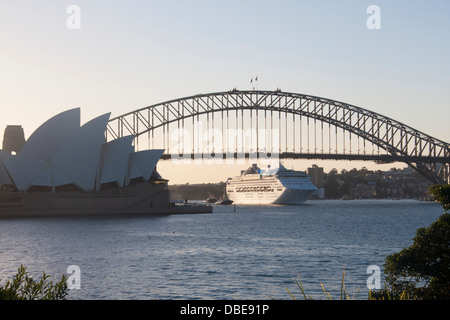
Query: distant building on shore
{"x": 317, "y": 178}
{"x": 316, "y": 174}
{"x": 13, "y": 139}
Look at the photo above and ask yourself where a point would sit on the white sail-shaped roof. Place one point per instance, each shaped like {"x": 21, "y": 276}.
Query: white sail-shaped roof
{"x": 60, "y": 152}
{"x": 51, "y": 177}
{"x": 78, "y": 158}
{"x": 142, "y": 163}
{"x": 114, "y": 164}
{"x": 22, "y": 170}
{"x": 46, "y": 140}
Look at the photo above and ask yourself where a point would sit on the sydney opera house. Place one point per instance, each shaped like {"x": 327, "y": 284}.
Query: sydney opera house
{"x": 65, "y": 168}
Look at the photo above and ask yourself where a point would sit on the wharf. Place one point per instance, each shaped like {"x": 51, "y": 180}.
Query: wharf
{"x": 19, "y": 212}
{"x": 138, "y": 200}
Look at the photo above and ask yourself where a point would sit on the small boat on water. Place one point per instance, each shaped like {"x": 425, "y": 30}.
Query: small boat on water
{"x": 225, "y": 200}
{"x": 211, "y": 199}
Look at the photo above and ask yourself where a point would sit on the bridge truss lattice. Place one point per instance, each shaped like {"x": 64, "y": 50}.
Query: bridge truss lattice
{"x": 290, "y": 125}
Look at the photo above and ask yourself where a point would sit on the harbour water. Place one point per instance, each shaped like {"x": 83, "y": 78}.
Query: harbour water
{"x": 252, "y": 252}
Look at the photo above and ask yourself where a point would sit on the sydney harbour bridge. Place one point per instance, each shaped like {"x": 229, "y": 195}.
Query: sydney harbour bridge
{"x": 279, "y": 125}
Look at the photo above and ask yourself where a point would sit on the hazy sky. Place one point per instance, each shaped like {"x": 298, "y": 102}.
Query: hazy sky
{"x": 131, "y": 54}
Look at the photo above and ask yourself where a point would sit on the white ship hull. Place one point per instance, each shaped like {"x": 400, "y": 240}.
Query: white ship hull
{"x": 284, "y": 187}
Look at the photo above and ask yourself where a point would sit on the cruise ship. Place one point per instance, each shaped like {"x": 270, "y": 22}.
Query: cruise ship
{"x": 277, "y": 186}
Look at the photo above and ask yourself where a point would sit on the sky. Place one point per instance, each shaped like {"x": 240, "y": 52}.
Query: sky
{"x": 118, "y": 56}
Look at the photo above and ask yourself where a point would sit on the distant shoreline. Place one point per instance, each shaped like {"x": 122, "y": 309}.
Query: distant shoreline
{"x": 201, "y": 191}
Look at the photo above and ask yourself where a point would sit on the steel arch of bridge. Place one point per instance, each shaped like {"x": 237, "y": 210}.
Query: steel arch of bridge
{"x": 428, "y": 155}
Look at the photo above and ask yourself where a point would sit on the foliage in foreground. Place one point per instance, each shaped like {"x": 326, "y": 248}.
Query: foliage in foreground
{"x": 423, "y": 269}
{"x": 420, "y": 271}
{"x": 380, "y": 295}
{"x": 24, "y": 287}
{"x": 441, "y": 194}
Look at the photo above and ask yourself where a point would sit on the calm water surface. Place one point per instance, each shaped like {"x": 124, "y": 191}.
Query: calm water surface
{"x": 254, "y": 253}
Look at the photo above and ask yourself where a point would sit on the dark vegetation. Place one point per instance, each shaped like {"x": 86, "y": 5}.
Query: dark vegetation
{"x": 24, "y": 287}
{"x": 422, "y": 270}
{"x": 196, "y": 191}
